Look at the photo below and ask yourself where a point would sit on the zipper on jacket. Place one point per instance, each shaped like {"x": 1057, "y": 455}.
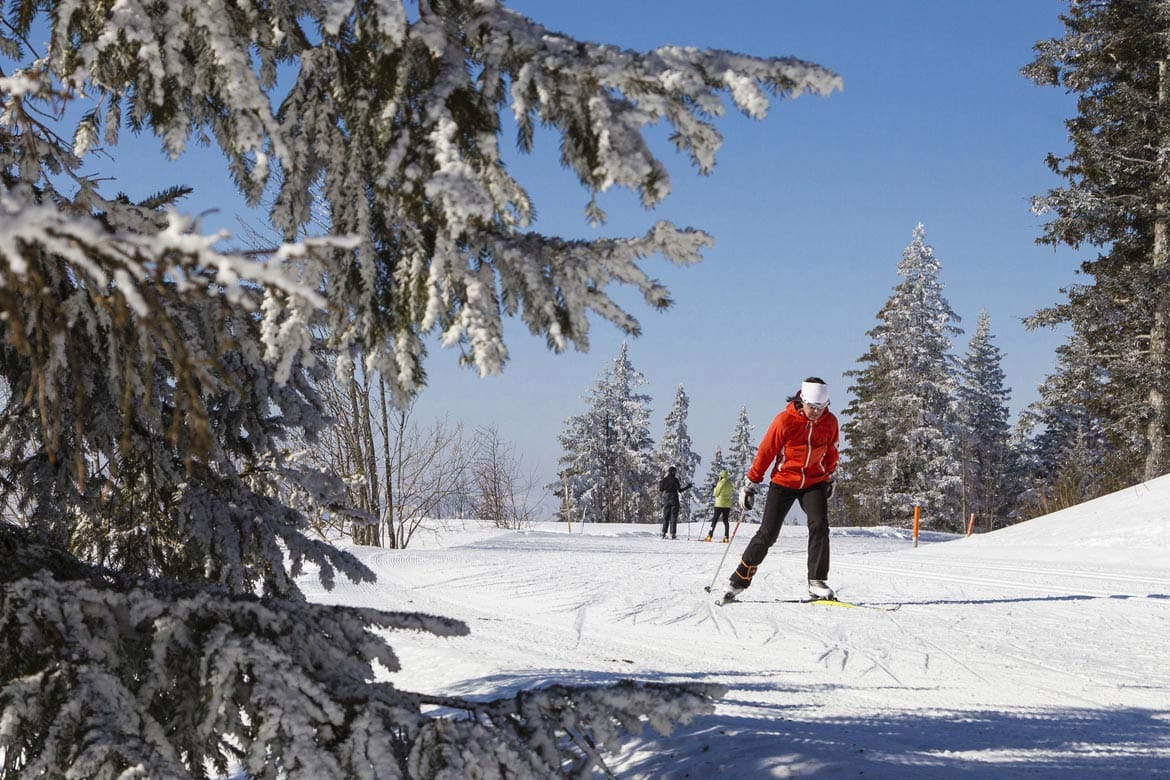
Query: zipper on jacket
{"x": 807, "y": 454}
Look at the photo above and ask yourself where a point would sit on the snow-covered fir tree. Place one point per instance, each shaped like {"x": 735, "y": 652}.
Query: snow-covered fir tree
{"x": 150, "y": 620}
{"x": 902, "y": 440}
{"x": 674, "y": 449}
{"x": 585, "y": 467}
{"x": 1068, "y": 448}
{"x": 740, "y": 452}
{"x": 608, "y": 462}
{"x": 1113, "y": 57}
{"x": 634, "y": 480}
{"x": 742, "y": 447}
{"x": 991, "y": 482}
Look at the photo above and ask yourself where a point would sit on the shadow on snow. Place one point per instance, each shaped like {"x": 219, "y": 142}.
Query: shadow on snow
{"x": 778, "y": 740}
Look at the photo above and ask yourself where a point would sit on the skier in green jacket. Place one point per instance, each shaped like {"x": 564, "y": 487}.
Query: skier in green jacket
{"x": 724, "y": 491}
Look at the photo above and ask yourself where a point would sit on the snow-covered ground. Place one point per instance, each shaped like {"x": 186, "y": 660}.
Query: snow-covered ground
{"x": 1035, "y": 651}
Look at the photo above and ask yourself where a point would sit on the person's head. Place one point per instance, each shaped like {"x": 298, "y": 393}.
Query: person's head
{"x": 670, "y": 471}
{"x": 723, "y": 474}
{"x": 813, "y": 397}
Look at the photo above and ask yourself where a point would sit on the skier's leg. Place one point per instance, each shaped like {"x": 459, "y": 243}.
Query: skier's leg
{"x": 775, "y": 508}
{"x": 816, "y": 507}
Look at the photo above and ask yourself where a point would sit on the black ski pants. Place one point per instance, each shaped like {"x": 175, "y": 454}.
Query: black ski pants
{"x": 721, "y": 513}
{"x": 815, "y": 504}
{"x": 669, "y": 515}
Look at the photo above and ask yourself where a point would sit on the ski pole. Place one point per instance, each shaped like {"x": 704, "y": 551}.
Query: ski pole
{"x": 727, "y": 548}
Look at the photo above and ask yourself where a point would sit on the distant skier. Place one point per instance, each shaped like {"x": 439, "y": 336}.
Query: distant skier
{"x": 669, "y": 485}
{"x": 802, "y": 440}
{"x": 723, "y": 492}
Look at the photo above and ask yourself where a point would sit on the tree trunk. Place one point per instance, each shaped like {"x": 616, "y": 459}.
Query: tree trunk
{"x": 371, "y": 468}
{"x": 1158, "y": 457}
{"x": 386, "y": 517}
{"x": 359, "y": 409}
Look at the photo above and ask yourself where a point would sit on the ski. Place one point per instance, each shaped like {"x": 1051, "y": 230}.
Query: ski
{"x": 822, "y": 602}
{"x": 852, "y": 604}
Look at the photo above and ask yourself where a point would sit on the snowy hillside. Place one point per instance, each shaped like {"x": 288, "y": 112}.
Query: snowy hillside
{"x": 1035, "y": 651}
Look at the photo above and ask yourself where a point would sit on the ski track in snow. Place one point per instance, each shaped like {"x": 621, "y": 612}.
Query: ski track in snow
{"x": 997, "y": 665}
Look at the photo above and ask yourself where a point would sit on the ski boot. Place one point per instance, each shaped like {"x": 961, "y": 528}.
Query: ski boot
{"x": 729, "y": 596}
{"x": 820, "y": 590}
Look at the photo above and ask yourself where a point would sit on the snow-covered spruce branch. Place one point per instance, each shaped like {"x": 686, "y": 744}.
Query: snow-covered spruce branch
{"x": 146, "y": 407}
{"x": 553, "y": 284}
{"x": 629, "y": 90}
{"x": 405, "y": 149}
{"x": 105, "y": 278}
{"x": 165, "y": 677}
{"x": 176, "y": 256}
{"x": 143, "y": 56}
{"x": 539, "y": 725}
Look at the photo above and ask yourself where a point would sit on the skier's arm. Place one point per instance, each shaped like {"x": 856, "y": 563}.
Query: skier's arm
{"x": 769, "y": 448}
{"x": 834, "y": 454}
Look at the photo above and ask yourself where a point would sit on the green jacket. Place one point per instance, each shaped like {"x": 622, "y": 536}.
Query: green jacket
{"x": 723, "y": 491}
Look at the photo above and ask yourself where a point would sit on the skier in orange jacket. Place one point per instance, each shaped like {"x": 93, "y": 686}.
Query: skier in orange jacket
{"x": 802, "y": 443}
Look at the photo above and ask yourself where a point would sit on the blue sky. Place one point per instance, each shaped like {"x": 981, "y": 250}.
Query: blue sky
{"x": 810, "y": 210}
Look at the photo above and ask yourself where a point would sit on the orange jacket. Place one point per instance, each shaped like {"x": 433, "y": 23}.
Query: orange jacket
{"x": 805, "y": 452}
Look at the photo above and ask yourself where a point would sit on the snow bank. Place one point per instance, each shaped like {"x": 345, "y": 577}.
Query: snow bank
{"x": 1130, "y": 519}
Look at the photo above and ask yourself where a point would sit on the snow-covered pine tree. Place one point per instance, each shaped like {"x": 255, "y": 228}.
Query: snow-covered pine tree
{"x": 740, "y": 453}
{"x": 1071, "y": 453}
{"x": 991, "y": 482}
{"x": 902, "y": 435}
{"x": 608, "y": 450}
{"x": 674, "y": 449}
{"x": 585, "y": 466}
{"x": 1115, "y": 57}
{"x": 741, "y": 449}
{"x": 635, "y": 482}
{"x": 150, "y": 622}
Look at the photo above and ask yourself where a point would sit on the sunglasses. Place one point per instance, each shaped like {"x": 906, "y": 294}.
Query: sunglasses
{"x": 815, "y": 407}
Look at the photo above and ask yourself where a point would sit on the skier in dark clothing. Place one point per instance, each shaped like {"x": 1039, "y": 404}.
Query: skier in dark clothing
{"x": 670, "y": 487}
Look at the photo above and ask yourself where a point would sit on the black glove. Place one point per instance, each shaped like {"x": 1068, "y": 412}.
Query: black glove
{"x": 828, "y": 490}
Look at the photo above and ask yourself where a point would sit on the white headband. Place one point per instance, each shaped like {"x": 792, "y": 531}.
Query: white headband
{"x": 814, "y": 392}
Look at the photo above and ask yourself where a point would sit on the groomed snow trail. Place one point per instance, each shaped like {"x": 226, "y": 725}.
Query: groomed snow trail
{"x": 1008, "y": 658}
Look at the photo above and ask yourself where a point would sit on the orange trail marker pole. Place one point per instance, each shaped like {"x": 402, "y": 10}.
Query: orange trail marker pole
{"x": 916, "y": 511}
{"x": 971, "y": 524}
